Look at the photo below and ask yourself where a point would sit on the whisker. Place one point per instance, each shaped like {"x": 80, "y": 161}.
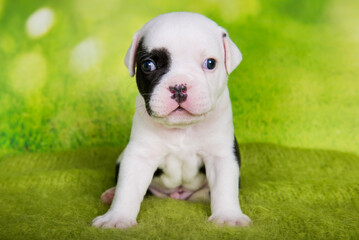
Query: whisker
{"x": 141, "y": 106}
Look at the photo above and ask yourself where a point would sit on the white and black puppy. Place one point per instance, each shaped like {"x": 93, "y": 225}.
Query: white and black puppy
{"x": 182, "y": 142}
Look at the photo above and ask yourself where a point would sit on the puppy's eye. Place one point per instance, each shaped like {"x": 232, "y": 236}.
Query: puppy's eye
{"x": 148, "y": 66}
{"x": 209, "y": 64}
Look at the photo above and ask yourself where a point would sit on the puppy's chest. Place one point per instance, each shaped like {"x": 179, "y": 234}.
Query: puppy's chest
{"x": 180, "y": 168}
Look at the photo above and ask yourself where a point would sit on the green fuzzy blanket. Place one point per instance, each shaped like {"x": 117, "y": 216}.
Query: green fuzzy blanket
{"x": 289, "y": 193}
{"x": 66, "y": 103}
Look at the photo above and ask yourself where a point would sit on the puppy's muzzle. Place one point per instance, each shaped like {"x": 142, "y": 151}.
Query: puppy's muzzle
{"x": 179, "y": 93}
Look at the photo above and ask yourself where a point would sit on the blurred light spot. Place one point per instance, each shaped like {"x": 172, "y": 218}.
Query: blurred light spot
{"x": 232, "y": 11}
{"x": 2, "y": 4}
{"x": 40, "y": 22}
{"x": 85, "y": 55}
{"x": 28, "y": 73}
{"x": 7, "y": 44}
{"x": 345, "y": 15}
{"x": 91, "y": 11}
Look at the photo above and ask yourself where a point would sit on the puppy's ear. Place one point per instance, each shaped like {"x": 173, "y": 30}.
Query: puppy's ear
{"x": 232, "y": 55}
{"x": 130, "y": 58}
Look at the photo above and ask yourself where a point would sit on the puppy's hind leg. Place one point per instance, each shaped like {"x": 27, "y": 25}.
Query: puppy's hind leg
{"x": 108, "y": 195}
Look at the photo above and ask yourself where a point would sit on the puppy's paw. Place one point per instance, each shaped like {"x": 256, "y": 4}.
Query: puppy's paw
{"x": 113, "y": 220}
{"x": 231, "y": 219}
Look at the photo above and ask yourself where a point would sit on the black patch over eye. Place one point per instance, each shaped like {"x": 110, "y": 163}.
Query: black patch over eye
{"x": 148, "y": 66}
{"x": 209, "y": 64}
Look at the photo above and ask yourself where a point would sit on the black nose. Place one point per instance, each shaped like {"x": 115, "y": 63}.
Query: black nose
{"x": 179, "y": 93}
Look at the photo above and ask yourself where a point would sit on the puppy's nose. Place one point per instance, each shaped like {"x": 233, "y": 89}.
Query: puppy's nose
{"x": 179, "y": 92}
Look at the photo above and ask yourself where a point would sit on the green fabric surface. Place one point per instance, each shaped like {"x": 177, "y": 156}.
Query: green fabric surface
{"x": 289, "y": 193}
{"x": 295, "y": 103}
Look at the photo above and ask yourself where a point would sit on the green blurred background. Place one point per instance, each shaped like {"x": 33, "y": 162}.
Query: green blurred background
{"x": 66, "y": 105}
{"x": 297, "y": 85}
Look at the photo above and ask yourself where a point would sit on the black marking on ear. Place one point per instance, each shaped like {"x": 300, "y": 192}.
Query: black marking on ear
{"x": 147, "y": 81}
{"x": 117, "y": 172}
{"x": 237, "y": 154}
{"x": 224, "y": 35}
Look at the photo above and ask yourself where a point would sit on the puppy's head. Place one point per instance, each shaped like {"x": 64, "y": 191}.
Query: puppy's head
{"x": 182, "y": 61}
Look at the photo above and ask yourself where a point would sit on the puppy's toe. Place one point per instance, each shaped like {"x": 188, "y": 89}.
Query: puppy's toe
{"x": 125, "y": 224}
{"x": 230, "y": 219}
{"x": 113, "y": 220}
{"x": 243, "y": 221}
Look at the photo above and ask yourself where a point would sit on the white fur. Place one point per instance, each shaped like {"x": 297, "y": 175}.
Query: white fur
{"x": 180, "y": 142}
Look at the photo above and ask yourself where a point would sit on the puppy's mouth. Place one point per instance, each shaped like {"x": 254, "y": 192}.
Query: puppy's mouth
{"x": 179, "y": 116}
{"x": 179, "y": 108}
{"x": 180, "y": 111}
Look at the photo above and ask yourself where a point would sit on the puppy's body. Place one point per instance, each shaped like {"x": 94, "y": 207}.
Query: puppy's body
{"x": 182, "y": 143}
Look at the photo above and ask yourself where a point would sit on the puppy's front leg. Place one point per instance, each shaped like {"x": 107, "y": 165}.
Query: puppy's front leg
{"x": 135, "y": 176}
{"x": 223, "y": 177}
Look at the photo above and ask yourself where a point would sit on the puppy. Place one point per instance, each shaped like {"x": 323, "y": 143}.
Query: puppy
{"x": 182, "y": 142}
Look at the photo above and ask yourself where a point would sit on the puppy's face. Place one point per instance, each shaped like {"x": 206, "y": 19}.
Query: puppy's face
{"x": 182, "y": 62}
